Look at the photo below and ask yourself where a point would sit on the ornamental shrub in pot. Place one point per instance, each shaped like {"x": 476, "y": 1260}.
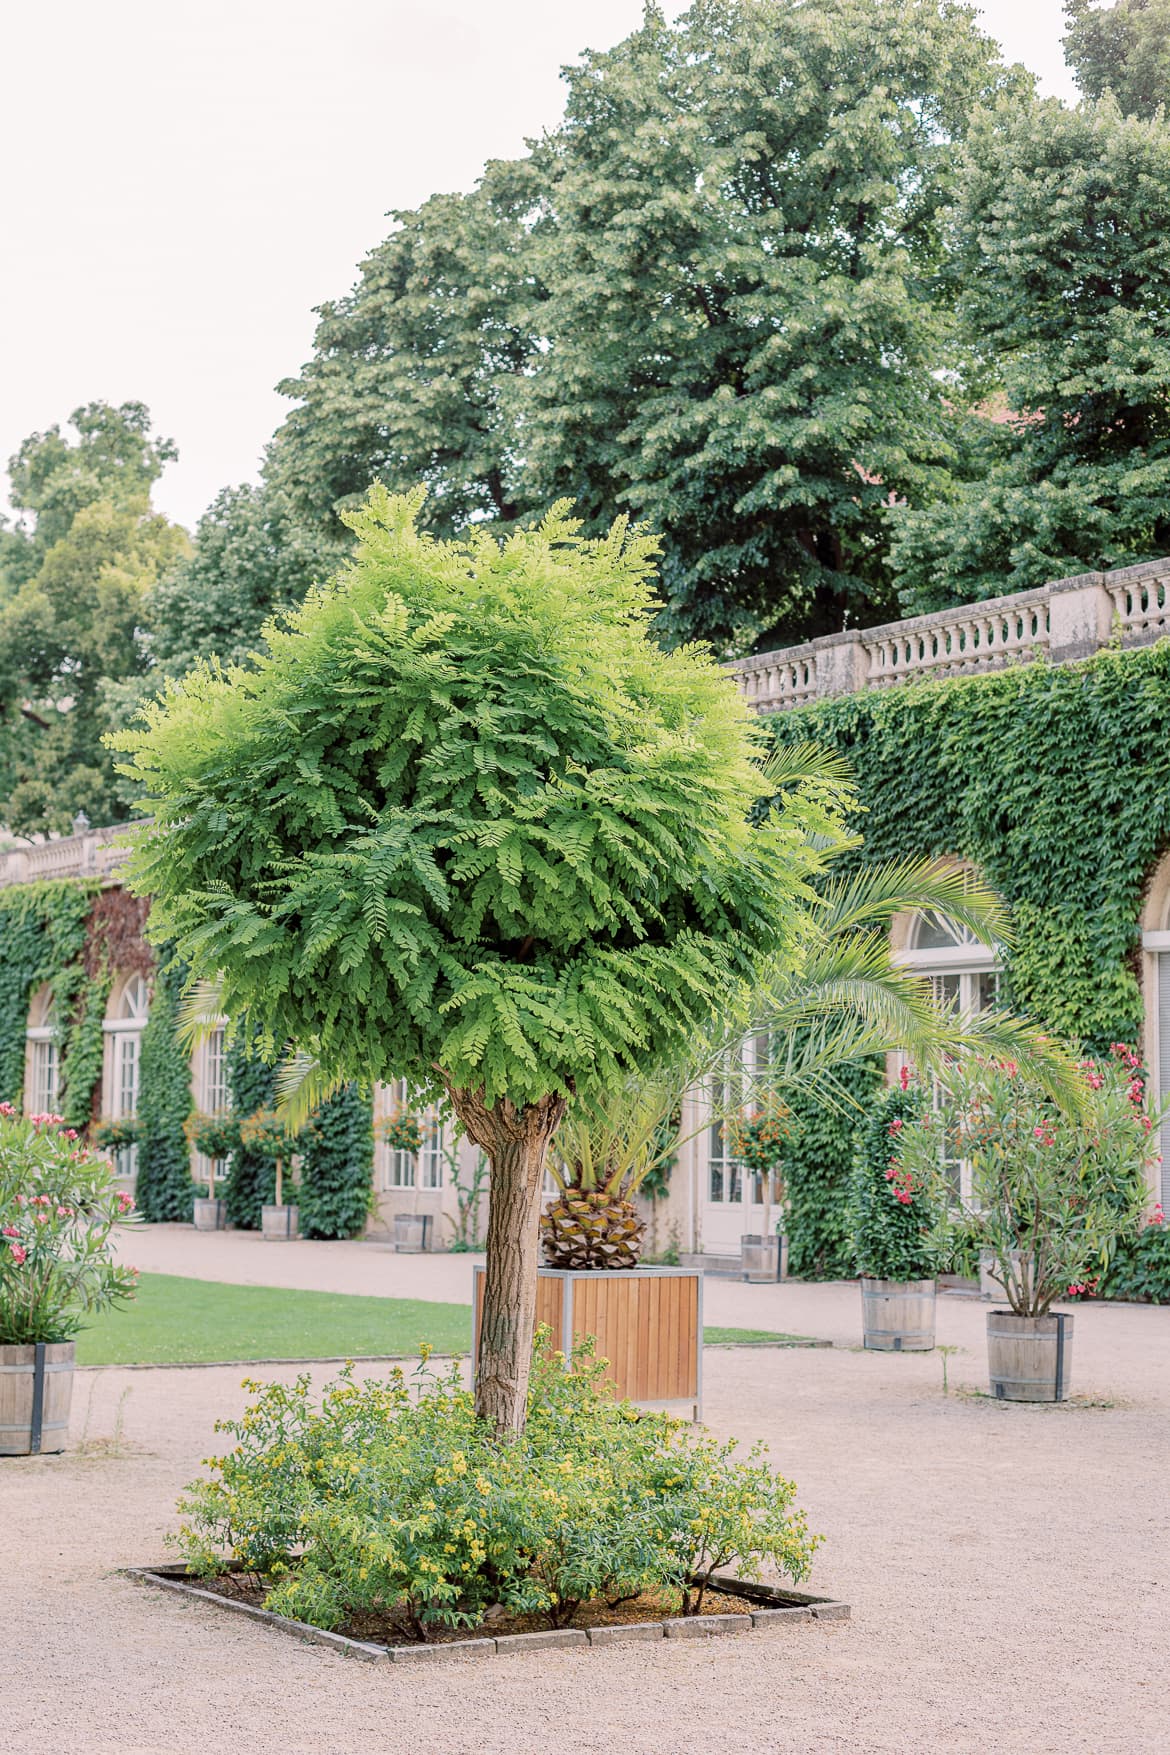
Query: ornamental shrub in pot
{"x": 214, "y": 1137}
{"x": 1051, "y": 1194}
{"x": 895, "y": 1220}
{"x": 757, "y": 1140}
{"x": 267, "y": 1136}
{"x": 59, "y": 1204}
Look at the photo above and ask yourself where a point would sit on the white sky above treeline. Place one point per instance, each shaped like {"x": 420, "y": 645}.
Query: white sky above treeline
{"x": 186, "y": 181}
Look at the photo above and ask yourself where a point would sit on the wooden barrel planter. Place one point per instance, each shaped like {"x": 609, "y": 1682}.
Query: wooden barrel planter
{"x": 209, "y": 1215}
{"x": 897, "y": 1315}
{"x": 648, "y": 1322}
{"x": 412, "y": 1233}
{"x": 1029, "y": 1358}
{"x": 279, "y": 1223}
{"x": 36, "y": 1388}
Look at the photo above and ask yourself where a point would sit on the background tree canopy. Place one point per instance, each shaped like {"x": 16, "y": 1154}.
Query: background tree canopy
{"x": 823, "y": 294}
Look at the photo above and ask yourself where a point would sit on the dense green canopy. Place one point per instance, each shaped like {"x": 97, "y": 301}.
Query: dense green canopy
{"x": 465, "y": 822}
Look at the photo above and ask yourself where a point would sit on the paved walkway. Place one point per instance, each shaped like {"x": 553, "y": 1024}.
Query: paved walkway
{"x": 1007, "y": 1566}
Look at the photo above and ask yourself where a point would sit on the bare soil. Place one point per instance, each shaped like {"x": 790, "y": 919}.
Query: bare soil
{"x": 387, "y": 1626}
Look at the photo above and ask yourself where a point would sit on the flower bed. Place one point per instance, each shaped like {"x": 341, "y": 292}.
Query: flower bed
{"x": 392, "y": 1500}
{"x": 733, "y": 1606}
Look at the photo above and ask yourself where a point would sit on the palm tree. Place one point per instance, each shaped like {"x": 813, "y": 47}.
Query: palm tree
{"x": 846, "y": 1000}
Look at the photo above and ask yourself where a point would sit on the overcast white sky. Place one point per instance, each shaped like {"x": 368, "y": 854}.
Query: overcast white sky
{"x": 187, "y": 180}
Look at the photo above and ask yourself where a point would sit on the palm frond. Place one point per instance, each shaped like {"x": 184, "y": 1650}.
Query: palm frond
{"x": 302, "y": 1085}
{"x": 200, "y": 1013}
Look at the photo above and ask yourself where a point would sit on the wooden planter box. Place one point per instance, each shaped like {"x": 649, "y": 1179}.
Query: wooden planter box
{"x": 648, "y": 1323}
{"x": 209, "y": 1215}
{"x": 279, "y": 1224}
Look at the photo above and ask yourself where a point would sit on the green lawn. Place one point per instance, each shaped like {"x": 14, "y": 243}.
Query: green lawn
{"x": 176, "y": 1321}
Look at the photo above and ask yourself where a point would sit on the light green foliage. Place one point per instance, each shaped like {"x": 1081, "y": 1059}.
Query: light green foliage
{"x": 1050, "y": 1196}
{"x": 404, "y": 1502}
{"x": 465, "y": 815}
{"x": 1123, "y": 48}
{"x": 1062, "y": 245}
{"x": 70, "y": 633}
{"x": 58, "y": 1207}
{"x": 894, "y": 1212}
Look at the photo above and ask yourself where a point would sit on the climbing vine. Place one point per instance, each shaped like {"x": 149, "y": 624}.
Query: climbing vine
{"x": 164, "y": 1188}
{"x": 42, "y": 932}
{"x": 337, "y": 1166}
{"x": 1054, "y": 781}
{"x": 251, "y": 1181}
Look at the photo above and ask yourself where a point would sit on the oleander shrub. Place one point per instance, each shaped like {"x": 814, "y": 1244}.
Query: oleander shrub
{"x": 59, "y": 1206}
{"x": 393, "y": 1496}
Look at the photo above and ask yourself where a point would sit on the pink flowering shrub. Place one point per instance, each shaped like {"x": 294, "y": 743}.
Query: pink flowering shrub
{"x": 1051, "y": 1194}
{"x": 59, "y": 1204}
{"x": 894, "y": 1208}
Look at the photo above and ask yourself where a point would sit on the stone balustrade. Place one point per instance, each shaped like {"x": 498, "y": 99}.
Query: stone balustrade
{"x": 1068, "y": 619}
{"x": 94, "y": 853}
{"x": 1057, "y": 623}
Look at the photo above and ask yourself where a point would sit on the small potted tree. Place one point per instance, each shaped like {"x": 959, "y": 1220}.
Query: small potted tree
{"x": 215, "y": 1137}
{"x": 59, "y": 1204}
{"x": 894, "y": 1212}
{"x": 1050, "y": 1195}
{"x": 757, "y": 1140}
{"x": 266, "y": 1135}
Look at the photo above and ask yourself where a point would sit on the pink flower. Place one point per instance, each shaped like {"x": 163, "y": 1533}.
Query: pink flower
{"x": 905, "y": 1075}
{"x": 1158, "y": 1217}
{"x": 897, "y": 1124}
{"x": 11, "y": 1231}
{"x": 19, "y": 1254}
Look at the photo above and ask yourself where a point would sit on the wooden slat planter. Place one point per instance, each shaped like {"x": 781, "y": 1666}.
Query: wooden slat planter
{"x": 35, "y": 1394}
{"x": 648, "y": 1323}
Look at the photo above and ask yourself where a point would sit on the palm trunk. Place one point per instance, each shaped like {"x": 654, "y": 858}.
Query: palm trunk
{"x": 516, "y": 1141}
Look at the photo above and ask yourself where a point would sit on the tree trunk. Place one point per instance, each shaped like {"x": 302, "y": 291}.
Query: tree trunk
{"x": 516, "y": 1141}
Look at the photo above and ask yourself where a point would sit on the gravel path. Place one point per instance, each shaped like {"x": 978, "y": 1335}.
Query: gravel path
{"x": 1007, "y": 1569}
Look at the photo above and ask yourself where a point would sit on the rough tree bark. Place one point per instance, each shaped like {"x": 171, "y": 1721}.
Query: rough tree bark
{"x": 516, "y": 1141}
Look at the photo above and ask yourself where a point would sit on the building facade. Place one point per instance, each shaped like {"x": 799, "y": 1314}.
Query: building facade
{"x": 1027, "y": 738}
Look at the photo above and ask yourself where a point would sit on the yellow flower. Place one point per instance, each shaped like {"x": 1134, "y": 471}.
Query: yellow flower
{"x": 482, "y": 1486}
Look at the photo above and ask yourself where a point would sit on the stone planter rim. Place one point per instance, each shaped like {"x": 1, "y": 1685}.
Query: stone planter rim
{"x": 800, "y": 1605}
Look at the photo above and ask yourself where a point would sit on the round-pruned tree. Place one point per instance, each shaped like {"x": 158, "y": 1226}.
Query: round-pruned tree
{"x": 465, "y": 823}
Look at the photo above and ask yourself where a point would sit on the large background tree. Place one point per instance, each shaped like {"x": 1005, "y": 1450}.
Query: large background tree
{"x": 1123, "y": 48}
{"x": 81, "y": 566}
{"x": 1062, "y": 244}
{"x": 711, "y": 295}
{"x": 465, "y": 823}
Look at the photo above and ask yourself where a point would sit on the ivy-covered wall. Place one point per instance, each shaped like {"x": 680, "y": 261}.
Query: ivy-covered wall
{"x": 1055, "y": 783}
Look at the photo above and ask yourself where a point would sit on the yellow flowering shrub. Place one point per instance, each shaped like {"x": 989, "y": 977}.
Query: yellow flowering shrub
{"x": 391, "y": 1496}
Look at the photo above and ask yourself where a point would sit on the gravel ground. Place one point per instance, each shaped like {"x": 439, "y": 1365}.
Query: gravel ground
{"x": 1007, "y": 1569}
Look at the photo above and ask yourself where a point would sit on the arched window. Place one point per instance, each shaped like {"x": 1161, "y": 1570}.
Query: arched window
{"x": 213, "y": 1096}
{"x": 123, "y": 1027}
{"x": 963, "y": 972}
{"x": 42, "y": 1068}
